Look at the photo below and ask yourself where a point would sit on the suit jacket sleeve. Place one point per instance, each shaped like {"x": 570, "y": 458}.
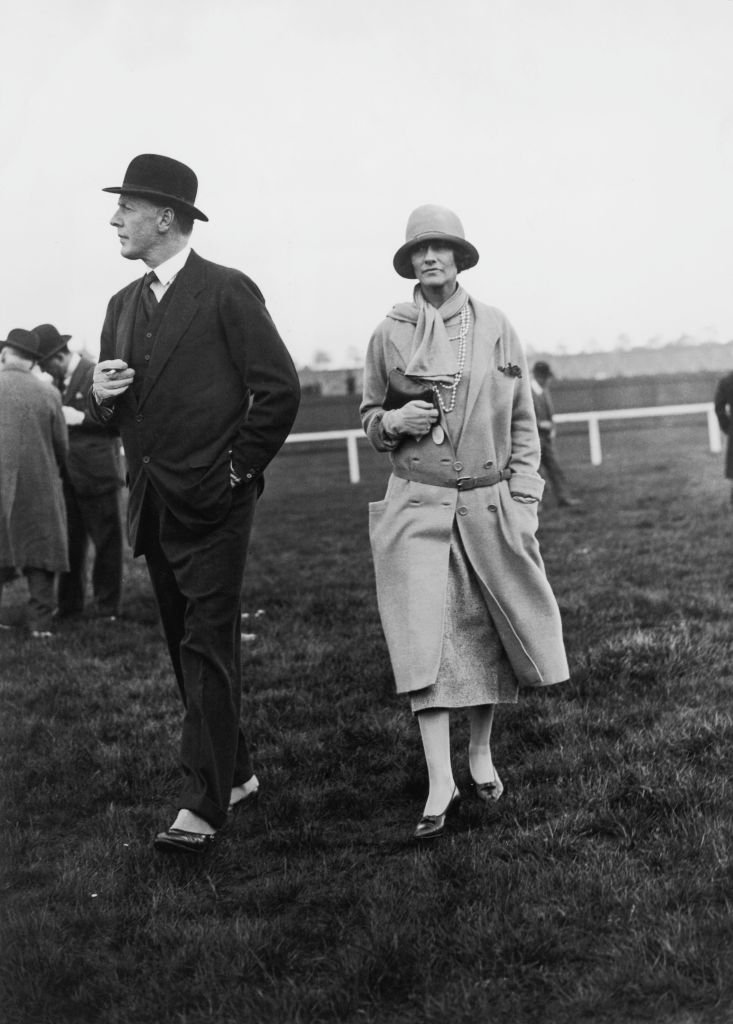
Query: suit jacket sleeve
{"x": 263, "y": 361}
{"x": 96, "y": 413}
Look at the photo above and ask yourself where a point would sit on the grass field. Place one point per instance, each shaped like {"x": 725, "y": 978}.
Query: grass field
{"x": 600, "y": 890}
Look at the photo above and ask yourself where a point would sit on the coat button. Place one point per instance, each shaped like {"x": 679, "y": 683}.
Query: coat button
{"x": 149, "y": 335}
{"x": 146, "y": 459}
{"x": 491, "y": 508}
{"x": 139, "y": 418}
{"x": 458, "y": 466}
{"x": 488, "y": 464}
{"x": 463, "y": 511}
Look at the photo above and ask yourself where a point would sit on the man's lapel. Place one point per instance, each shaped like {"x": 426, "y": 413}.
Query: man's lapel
{"x": 184, "y": 301}
{"x": 126, "y": 323}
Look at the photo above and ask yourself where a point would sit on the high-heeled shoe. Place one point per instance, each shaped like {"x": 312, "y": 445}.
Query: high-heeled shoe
{"x": 431, "y": 826}
{"x": 488, "y": 792}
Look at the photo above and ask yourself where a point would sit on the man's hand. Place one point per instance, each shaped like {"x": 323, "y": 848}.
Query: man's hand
{"x": 415, "y": 418}
{"x": 112, "y": 377}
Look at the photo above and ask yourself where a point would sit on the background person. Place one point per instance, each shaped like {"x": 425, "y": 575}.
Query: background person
{"x": 723, "y": 407}
{"x": 465, "y": 605}
{"x": 196, "y": 377}
{"x": 91, "y": 485}
{"x": 33, "y": 448}
{"x": 544, "y": 411}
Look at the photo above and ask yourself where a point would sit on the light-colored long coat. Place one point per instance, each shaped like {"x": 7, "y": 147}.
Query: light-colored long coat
{"x": 411, "y": 528}
{"x": 33, "y": 448}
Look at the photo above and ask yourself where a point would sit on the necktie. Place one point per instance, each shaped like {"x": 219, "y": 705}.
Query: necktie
{"x": 147, "y": 297}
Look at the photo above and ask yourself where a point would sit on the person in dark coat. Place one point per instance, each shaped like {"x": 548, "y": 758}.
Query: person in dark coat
{"x": 544, "y": 412}
{"x": 33, "y": 448}
{"x": 91, "y": 484}
{"x": 196, "y": 378}
{"x": 723, "y": 409}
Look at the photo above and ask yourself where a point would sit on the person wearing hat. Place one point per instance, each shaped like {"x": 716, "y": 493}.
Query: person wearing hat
{"x": 466, "y": 608}
{"x": 196, "y": 378}
{"x": 33, "y": 449}
{"x": 91, "y": 485}
{"x": 544, "y": 411}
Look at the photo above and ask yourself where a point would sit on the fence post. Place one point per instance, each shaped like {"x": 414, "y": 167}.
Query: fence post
{"x": 716, "y": 444}
{"x": 594, "y": 437}
{"x": 353, "y": 453}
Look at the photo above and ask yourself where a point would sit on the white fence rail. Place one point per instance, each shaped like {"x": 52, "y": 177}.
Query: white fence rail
{"x": 593, "y": 419}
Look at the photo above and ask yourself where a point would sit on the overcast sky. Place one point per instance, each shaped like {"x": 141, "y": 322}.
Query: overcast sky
{"x": 586, "y": 144}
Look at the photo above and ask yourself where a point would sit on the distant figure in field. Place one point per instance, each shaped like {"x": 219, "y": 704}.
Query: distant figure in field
{"x": 465, "y": 605}
{"x": 196, "y": 378}
{"x": 549, "y": 465}
{"x": 91, "y": 484}
{"x": 724, "y": 412}
{"x": 33, "y": 449}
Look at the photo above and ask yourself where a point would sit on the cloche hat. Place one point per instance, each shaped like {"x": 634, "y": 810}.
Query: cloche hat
{"x": 26, "y": 342}
{"x": 51, "y": 341}
{"x": 160, "y": 177}
{"x": 433, "y": 223}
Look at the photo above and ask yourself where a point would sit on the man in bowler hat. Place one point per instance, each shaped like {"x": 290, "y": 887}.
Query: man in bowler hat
{"x": 195, "y": 376}
{"x": 544, "y": 413}
{"x": 33, "y": 448}
{"x": 91, "y": 484}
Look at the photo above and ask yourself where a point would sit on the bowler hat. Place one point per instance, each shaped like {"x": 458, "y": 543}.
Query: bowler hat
{"x": 433, "y": 223}
{"x": 51, "y": 341}
{"x": 161, "y": 177}
{"x": 26, "y": 342}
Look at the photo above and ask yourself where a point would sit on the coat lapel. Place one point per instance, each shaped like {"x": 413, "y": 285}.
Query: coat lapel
{"x": 486, "y": 333}
{"x": 183, "y": 304}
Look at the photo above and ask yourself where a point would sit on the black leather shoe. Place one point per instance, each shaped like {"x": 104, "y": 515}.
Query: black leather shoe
{"x": 177, "y": 840}
{"x": 431, "y": 826}
{"x": 489, "y": 792}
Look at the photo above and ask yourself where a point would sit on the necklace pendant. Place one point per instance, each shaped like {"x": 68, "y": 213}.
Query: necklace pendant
{"x": 437, "y": 433}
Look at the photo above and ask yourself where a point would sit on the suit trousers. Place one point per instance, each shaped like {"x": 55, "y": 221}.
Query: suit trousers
{"x": 197, "y": 578}
{"x": 94, "y": 517}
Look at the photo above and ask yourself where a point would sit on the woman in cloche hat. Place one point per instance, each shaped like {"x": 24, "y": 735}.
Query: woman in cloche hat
{"x": 466, "y": 608}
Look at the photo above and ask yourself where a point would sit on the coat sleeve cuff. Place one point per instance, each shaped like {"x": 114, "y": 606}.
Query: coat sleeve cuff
{"x": 524, "y": 483}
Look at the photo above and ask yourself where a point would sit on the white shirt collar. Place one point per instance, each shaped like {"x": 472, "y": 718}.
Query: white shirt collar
{"x": 166, "y": 271}
{"x": 536, "y": 387}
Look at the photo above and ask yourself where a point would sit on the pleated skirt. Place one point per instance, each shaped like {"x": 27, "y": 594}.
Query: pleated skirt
{"x": 474, "y": 668}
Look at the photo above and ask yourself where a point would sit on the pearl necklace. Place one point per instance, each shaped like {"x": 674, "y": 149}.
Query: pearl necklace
{"x": 461, "y": 338}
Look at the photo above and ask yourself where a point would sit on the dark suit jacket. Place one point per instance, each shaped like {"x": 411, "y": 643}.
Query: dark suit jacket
{"x": 220, "y": 386}
{"x": 93, "y": 465}
{"x": 723, "y": 409}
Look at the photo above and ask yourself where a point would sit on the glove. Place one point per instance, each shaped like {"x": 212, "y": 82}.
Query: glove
{"x": 415, "y": 418}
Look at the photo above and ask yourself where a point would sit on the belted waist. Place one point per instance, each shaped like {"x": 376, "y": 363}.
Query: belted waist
{"x": 461, "y": 483}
